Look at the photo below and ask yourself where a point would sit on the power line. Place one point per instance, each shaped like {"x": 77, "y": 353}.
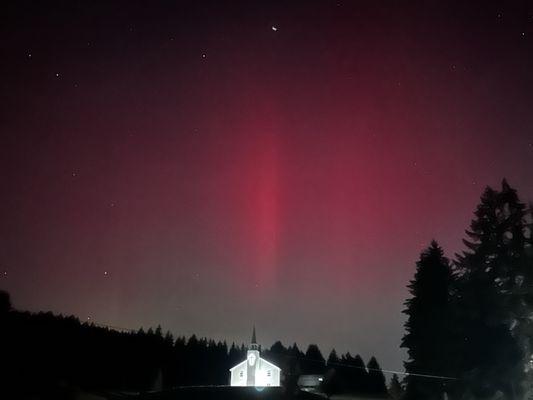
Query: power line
{"x": 443, "y": 377}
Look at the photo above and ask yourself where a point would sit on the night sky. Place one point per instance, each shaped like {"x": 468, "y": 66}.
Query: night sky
{"x": 208, "y": 165}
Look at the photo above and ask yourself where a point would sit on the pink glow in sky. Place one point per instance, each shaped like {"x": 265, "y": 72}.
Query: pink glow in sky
{"x": 191, "y": 166}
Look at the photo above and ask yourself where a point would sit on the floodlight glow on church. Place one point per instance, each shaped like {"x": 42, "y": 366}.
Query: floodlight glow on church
{"x": 255, "y": 371}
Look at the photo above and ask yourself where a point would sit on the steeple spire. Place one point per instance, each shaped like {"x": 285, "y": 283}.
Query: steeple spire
{"x": 253, "y": 343}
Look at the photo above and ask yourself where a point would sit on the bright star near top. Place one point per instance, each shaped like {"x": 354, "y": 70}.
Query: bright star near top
{"x": 274, "y": 28}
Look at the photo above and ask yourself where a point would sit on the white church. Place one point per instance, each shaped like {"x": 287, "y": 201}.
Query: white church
{"x": 255, "y": 371}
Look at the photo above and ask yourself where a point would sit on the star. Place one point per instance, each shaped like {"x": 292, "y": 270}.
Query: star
{"x": 57, "y": 74}
{"x": 105, "y": 273}
{"x": 274, "y": 28}
{"x": 29, "y": 55}
{"x": 74, "y": 174}
{"x": 204, "y": 55}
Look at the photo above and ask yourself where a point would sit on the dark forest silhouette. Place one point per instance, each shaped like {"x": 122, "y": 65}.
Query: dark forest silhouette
{"x": 43, "y": 352}
{"x": 470, "y": 320}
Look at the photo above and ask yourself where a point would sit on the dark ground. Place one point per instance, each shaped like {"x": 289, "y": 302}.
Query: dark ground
{"x": 225, "y": 393}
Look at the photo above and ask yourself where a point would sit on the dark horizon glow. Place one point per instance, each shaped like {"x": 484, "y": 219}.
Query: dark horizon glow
{"x": 187, "y": 165}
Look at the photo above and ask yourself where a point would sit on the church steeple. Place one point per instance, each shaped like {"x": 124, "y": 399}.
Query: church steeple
{"x": 253, "y": 343}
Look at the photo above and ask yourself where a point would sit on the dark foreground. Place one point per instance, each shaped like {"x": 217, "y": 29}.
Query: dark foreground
{"x": 228, "y": 393}
{"x": 222, "y": 393}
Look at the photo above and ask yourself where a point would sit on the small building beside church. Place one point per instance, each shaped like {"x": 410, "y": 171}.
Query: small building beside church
{"x": 311, "y": 383}
{"x": 255, "y": 371}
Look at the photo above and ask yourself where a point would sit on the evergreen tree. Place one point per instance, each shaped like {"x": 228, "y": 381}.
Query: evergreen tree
{"x": 429, "y": 340}
{"x": 376, "y": 379}
{"x": 354, "y": 374}
{"x": 278, "y": 348}
{"x": 526, "y": 326}
{"x": 333, "y": 359}
{"x": 169, "y": 339}
{"x": 395, "y": 388}
{"x": 5, "y": 302}
{"x": 314, "y": 362}
{"x": 492, "y": 305}
{"x": 278, "y": 355}
{"x": 159, "y": 331}
{"x": 332, "y": 383}
{"x": 296, "y": 358}
{"x": 234, "y": 356}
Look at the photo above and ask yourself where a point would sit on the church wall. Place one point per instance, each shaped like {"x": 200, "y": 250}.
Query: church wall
{"x": 267, "y": 375}
{"x": 238, "y": 376}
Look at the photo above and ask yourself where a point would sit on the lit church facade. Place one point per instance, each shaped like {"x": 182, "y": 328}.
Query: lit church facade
{"x": 255, "y": 371}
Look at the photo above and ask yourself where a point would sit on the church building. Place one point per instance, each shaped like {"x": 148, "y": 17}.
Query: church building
{"x": 255, "y": 371}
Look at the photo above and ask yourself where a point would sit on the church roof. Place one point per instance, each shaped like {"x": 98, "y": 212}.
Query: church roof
{"x": 238, "y": 365}
{"x": 269, "y": 363}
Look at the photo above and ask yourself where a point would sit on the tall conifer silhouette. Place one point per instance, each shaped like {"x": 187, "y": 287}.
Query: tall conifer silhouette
{"x": 376, "y": 379}
{"x": 491, "y": 307}
{"x": 428, "y": 338}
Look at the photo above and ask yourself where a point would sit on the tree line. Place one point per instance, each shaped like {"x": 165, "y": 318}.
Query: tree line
{"x": 469, "y": 328}
{"x": 341, "y": 374}
{"x": 42, "y": 353}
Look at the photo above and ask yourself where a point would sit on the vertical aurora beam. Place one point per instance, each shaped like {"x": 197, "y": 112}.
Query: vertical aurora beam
{"x": 264, "y": 213}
